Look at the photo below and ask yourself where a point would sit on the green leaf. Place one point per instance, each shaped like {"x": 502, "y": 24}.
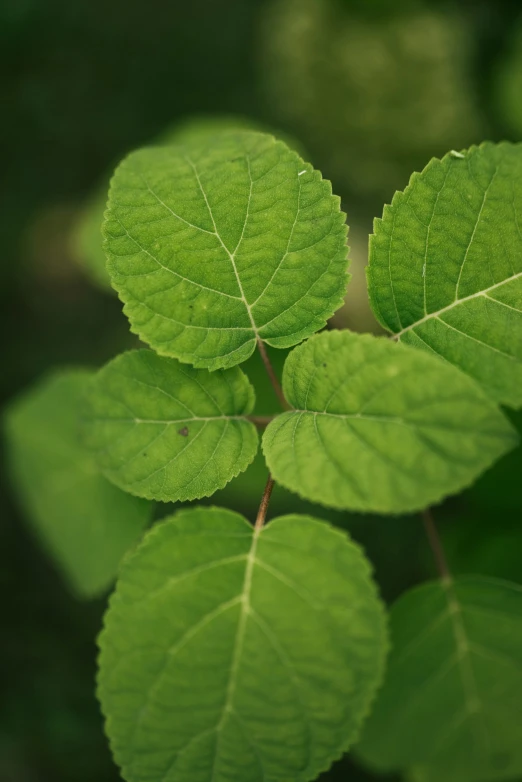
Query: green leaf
{"x": 451, "y": 698}
{"x": 166, "y": 431}
{"x": 239, "y": 655}
{"x": 445, "y": 271}
{"x": 221, "y": 242}
{"x": 85, "y": 523}
{"x": 380, "y": 427}
{"x": 86, "y": 237}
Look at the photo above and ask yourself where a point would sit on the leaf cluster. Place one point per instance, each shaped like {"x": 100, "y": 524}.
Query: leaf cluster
{"x": 240, "y": 652}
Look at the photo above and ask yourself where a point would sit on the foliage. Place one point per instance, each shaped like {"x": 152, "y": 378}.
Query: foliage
{"x": 86, "y": 238}
{"x": 446, "y": 277}
{"x": 409, "y": 443}
{"x": 451, "y": 698}
{"x": 225, "y": 593}
{"x": 268, "y": 236}
{"x": 168, "y": 432}
{"x": 235, "y": 652}
{"x": 86, "y": 523}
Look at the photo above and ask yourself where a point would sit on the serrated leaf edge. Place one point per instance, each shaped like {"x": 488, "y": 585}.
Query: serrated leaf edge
{"x": 310, "y": 774}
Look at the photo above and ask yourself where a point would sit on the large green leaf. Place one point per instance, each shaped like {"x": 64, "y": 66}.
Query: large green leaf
{"x": 165, "y": 431}
{"x": 379, "y": 426}
{"x": 239, "y": 655}
{"x": 85, "y": 522}
{"x": 445, "y": 269}
{"x": 215, "y": 244}
{"x": 452, "y": 695}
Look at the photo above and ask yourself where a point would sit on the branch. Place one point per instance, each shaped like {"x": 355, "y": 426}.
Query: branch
{"x": 261, "y": 421}
{"x": 272, "y": 375}
{"x": 261, "y": 514}
{"x": 436, "y": 544}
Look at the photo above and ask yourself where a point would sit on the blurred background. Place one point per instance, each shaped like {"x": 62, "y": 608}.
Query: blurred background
{"x": 368, "y": 90}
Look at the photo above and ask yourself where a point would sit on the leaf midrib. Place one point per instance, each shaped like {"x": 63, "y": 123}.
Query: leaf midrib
{"x": 168, "y": 422}
{"x": 232, "y": 255}
{"x": 216, "y": 232}
{"x": 380, "y": 419}
{"x": 457, "y": 303}
{"x": 246, "y": 611}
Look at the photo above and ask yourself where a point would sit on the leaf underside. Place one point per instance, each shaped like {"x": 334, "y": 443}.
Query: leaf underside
{"x": 379, "y": 426}
{"x": 445, "y": 271}
{"x": 451, "y": 699}
{"x": 166, "y": 431}
{"x": 236, "y": 655}
{"x": 85, "y": 522}
{"x": 215, "y": 244}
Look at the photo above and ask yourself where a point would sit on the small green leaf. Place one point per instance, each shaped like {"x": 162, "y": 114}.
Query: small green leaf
{"x": 86, "y": 523}
{"x": 445, "y": 271}
{"x": 239, "y": 655}
{"x": 451, "y": 699}
{"x": 218, "y": 243}
{"x": 166, "y": 431}
{"x": 380, "y": 427}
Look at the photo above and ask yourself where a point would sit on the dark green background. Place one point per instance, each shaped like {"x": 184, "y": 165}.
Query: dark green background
{"x": 83, "y": 82}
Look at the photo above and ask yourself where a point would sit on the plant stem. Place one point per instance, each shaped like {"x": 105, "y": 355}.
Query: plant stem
{"x": 261, "y": 421}
{"x": 436, "y": 544}
{"x": 265, "y": 499}
{"x": 272, "y": 375}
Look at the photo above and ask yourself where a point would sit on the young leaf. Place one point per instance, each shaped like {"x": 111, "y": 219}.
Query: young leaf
{"x": 166, "y": 431}
{"x": 451, "y": 698}
{"x": 445, "y": 269}
{"x": 236, "y": 654}
{"x": 86, "y": 523}
{"x": 380, "y": 427}
{"x": 218, "y": 243}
